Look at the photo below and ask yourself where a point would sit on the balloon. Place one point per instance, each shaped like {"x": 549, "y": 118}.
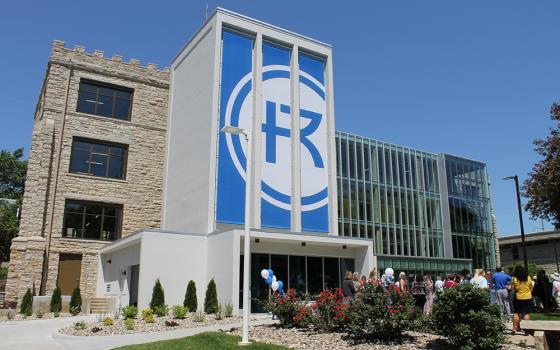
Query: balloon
{"x": 270, "y": 272}
{"x": 273, "y": 278}
{"x": 264, "y": 273}
{"x": 389, "y": 272}
{"x": 280, "y": 285}
{"x": 268, "y": 280}
{"x": 274, "y": 286}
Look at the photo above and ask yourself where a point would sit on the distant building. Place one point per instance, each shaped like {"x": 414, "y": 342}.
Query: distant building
{"x": 542, "y": 249}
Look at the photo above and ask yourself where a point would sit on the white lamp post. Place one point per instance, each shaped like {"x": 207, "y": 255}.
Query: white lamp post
{"x": 247, "y": 239}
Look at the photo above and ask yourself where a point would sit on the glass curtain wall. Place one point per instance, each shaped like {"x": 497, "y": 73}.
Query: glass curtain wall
{"x": 469, "y": 209}
{"x": 389, "y": 194}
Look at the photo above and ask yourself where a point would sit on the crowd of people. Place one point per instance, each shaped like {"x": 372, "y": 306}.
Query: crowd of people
{"x": 515, "y": 292}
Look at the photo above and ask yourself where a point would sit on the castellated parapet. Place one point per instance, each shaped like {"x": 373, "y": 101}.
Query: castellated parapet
{"x": 49, "y": 183}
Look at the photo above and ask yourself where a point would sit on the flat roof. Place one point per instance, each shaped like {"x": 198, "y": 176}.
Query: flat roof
{"x": 530, "y": 237}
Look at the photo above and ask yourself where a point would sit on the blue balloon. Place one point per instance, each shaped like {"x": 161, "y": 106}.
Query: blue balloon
{"x": 281, "y": 291}
{"x": 270, "y": 273}
{"x": 268, "y": 280}
{"x": 280, "y": 285}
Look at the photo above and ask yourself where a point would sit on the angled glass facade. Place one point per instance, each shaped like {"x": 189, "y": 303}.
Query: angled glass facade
{"x": 393, "y": 195}
{"x": 469, "y": 211}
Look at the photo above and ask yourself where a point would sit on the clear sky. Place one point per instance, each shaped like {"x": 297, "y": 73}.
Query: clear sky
{"x": 472, "y": 78}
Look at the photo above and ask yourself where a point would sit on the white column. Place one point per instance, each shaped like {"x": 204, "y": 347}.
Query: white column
{"x": 296, "y": 145}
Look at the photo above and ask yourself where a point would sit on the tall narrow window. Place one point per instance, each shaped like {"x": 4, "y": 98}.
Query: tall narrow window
{"x": 91, "y": 220}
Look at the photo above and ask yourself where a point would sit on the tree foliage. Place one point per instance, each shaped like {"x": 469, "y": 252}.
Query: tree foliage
{"x": 190, "y": 301}
{"x": 211, "y": 299}
{"x": 542, "y": 187}
{"x": 9, "y": 227}
{"x": 76, "y": 302}
{"x": 12, "y": 174}
{"x": 56, "y": 300}
{"x": 26, "y": 307}
{"x": 158, "y": 296}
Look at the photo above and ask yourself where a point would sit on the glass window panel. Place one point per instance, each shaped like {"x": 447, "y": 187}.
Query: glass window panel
{"x": 359, "y": 161}
{"x": 122, "y": 109}
{"x": 94, "y": 209}
{"x": 346, "y": 265}
{"x": 72, "y": 225}
{"x": 98, "y": 165}
{"x": 73, "y": 207}
{"x": 314, "y": 275}
{"x": 279, "y": 264}
{"x": 344, "y": 157}
{"x": 92, "y": 227}
{"x": 331, "y": 273}
{"x": 100, "y": 148}
{"x": 259, "y": 290}
{"x": 116, "y": 168}
{"x": 103, "y": 90}
{"x": 79, "y": 161}
{"x": 381, "y": 164}
{"x": 297, "y": 273}
{"x": 127, "y": 95}
{"x": 110, "y": 228}
{"x": 88, "y": 87}
{"x": 104, "y": 106}
{"x": 352, "y": 158}
{"x": 86, "y": 102}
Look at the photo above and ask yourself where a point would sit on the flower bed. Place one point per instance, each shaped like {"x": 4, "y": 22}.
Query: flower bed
{"x": 139, "y": 326}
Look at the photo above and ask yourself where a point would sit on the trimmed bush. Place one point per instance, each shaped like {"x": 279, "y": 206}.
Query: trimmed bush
{"x": 80, "y": 326}
{"x": 129, "y": 324}
{"x": 285, "y": 307}
{"x": 329, "y": 311}
{"x": 76, "y": 302}
{"x": 464, "y": 315}
{"x": 148, "y": 316}
{"x": 161, "y": 311}
{"x": 179, "y": 312}
{"x": 190, "y": 301}
{"x": 129, "y": 312}
{"x": 211, "y": 299}
{"x": 219, "y": 312}
{"x": 158, "y": 297}
{"x": 228, "y": 310}
{"x": 107, "y": 321}
{"x": 26, "y": 307}
{"x": 56, "y": 300}
{"x": 379, "y": 313}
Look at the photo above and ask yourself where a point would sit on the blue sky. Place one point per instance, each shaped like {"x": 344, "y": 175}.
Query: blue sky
{"x": 472, "y": 78}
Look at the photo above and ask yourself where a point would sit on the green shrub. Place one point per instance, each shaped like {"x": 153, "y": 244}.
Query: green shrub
{"x": 211, "y": 299}
{"x": 199, "y": 316}
{"x": 190, "y": 301}
{"x": 80, "y": 326}
{"x": 228, "y": 310}
{"x": 56, "y": 314}
{"x": 329, "y": 311}
{"x": 161, "y": 311}
{"x": 286, "y": 307}
{"x": 179, "y": 312}
{"x": 76, "y": 302}
{"x": 56, "y": 300}
{"x": 107, "y": 321}
{"x": 148, "y": 316}
{"x": 464, "y": 315}
{"x": 26, "y": 307}
{"x": 379, "y": 313}
{"x": 129, "y": 324}
{"x": 219, "y": 312}
{"x": 158, "y": 297}
{"x": 3, "y": 272}
{"x": 10, "y": 315}
{"x": 129, "y": 312}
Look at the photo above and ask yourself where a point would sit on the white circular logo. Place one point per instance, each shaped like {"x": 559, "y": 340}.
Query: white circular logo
{"x": 276, "y": 168}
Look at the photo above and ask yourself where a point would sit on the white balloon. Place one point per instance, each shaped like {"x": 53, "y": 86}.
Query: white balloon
{"x": 274, "y": 278}
{"x": 274, "y": 286}
{"x": 389, "y": 272}
{"x": 264, "y": 273}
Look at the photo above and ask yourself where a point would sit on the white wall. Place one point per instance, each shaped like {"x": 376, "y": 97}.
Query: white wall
{"x": 175, "y": 259}
{"x": 223, "y": 266}
{"x": 190, "y": 162}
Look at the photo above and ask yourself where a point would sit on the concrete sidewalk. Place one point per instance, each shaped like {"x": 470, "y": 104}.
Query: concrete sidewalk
{"x": 43, "y": 334}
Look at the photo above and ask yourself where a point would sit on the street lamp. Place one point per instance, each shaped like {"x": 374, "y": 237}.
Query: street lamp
{"x": 516, "y": 179}
{"x": 247, "y": 240}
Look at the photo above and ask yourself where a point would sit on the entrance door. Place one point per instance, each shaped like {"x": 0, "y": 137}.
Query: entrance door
{"x": 69, "y": 269}
{"x": 133, "y": 286}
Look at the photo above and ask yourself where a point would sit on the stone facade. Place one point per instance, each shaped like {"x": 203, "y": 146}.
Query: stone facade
{"x": 543, "y": 249}
{"x": 35, "y": 252}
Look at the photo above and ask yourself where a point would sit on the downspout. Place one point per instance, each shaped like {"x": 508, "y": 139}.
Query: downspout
{"x": 47, "y": 254}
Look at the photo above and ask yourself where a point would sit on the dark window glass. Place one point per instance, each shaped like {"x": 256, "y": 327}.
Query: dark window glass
{"x": 98, "y": 159}
{"x": 297, "y": 274}
{"x": 104, "y": 100}
{"x": 331, "y": 273}
{"x": 92, "y": 220}
{"x": 314, "y": 275}
{"x": 346, "y": 265}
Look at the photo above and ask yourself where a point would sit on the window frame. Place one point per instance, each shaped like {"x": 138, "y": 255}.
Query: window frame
{"x": 85, "y": 203}
{"x": 115, "y": 87}
{"x": 90, "y": 154}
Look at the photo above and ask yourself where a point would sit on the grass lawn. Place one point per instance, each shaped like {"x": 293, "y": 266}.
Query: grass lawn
{"x": 202, "y": 341}
{"x": 551, "y": 316}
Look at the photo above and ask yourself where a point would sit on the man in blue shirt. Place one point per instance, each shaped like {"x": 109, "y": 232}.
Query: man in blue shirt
{"x": 500, "y": 283}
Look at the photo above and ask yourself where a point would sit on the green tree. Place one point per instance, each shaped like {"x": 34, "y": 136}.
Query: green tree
{"x": 26, "y": 307}
{"x": 9, "y": 227}
{"x": 12, "y": 174}
{"x": 211, "y": 298}
{"x": 190, "y": 301}
{"x": 542, "y": 187}
{"x": 76, "y": 302}
{"x": 158, "y": 297}
{"x": 56, "y": 300}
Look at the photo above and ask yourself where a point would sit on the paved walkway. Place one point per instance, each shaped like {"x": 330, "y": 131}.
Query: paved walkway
{"x": 43, "y": 334}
